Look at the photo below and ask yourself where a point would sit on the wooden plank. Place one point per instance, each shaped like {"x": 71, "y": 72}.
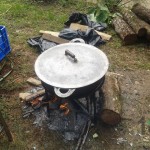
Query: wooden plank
{"x": 49, "y": 32}
{"x": 75, "y": 26}
{"x": 53, "y": 38}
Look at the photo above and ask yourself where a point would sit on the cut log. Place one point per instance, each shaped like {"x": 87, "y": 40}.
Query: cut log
{"x": 142, "y": 12}
{"x": 124, "y": 31}
{"x": 147, "y": 26}
{"x": 111, "y": 113}
{"x": 75, "y": 26}
{"x": 136, "y": 24}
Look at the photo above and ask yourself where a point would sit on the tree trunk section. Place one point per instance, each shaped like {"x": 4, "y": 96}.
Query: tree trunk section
{"x": 136, "y": 24}
{"x": 142, "y": 12}
{"x": 112, "y": 103}
{"x": 124, "y": 31}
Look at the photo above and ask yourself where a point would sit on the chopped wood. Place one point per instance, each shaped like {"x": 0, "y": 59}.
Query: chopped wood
{"x": 35, "y": 95}
{"x": 142, "y": 12}
{"x": 75, "y": 26}
{"x": 147, "y": 26}
{"x": 23, "y": 95}
{"x": 136, "y": 24}
{"x": 124, "y": 31}
{"x": 53, "y": 38}
{"x": 34, "y": 81}
{"x": 49, "y": 32}
{"x": 111, "y": 113}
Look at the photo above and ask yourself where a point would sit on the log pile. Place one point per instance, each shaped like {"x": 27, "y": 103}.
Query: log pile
{"x": 124, "y": 30}
{"x": 133, "y": 24}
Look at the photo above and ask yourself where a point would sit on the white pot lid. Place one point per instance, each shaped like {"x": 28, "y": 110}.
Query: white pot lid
{"x": 59, "y": 70}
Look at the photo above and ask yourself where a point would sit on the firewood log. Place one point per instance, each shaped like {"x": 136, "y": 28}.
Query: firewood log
{"x": 136, "y": 24}
{"x": 142, "y": 12}
{"x": 111, "y": 113}
{"x": 124, "y": 31}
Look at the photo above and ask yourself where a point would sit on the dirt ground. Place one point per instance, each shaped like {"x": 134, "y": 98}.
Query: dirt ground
{"x": 133, "y": 132}
{"x": 131, "y": 63}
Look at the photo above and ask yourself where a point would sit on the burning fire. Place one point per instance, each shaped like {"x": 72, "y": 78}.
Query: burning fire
{"x": 65, "y": 108}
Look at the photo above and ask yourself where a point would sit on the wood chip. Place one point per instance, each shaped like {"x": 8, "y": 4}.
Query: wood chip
{"x": 34, "y": 81}
{"x": 23, "y": 95}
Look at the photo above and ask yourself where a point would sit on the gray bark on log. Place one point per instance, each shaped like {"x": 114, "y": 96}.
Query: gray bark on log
{"x": 124, "y": 31}
{"x": 142, "y": 12}
{"x": 112, "y": 104}
{"x": 136, "y": 24}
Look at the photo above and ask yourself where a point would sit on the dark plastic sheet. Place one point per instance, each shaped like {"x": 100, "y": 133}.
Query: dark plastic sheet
{"x": 40, "y": 43}
{"x": 84, "y": 20}
{"x": 90, "y": 36}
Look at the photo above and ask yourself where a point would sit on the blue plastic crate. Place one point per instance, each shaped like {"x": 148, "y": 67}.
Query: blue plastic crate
{"x": 4, "y": 43}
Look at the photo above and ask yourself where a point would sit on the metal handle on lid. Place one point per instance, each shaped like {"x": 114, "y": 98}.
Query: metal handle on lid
{"x": 59, "y": 93}
{"x": 77, "y": 40}
{"x": 67, "y": 52}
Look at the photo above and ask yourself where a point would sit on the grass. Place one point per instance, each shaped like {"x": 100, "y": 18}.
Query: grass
{"x": 23, "y": 19}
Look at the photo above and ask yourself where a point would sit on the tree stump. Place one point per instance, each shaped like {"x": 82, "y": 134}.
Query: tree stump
{"x": 124, "y": 31}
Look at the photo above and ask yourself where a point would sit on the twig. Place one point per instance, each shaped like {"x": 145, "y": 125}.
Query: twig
{"x": 6, "y": 11}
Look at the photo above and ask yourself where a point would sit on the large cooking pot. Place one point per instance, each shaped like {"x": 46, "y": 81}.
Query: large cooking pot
{"x": 72, "y": 68}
